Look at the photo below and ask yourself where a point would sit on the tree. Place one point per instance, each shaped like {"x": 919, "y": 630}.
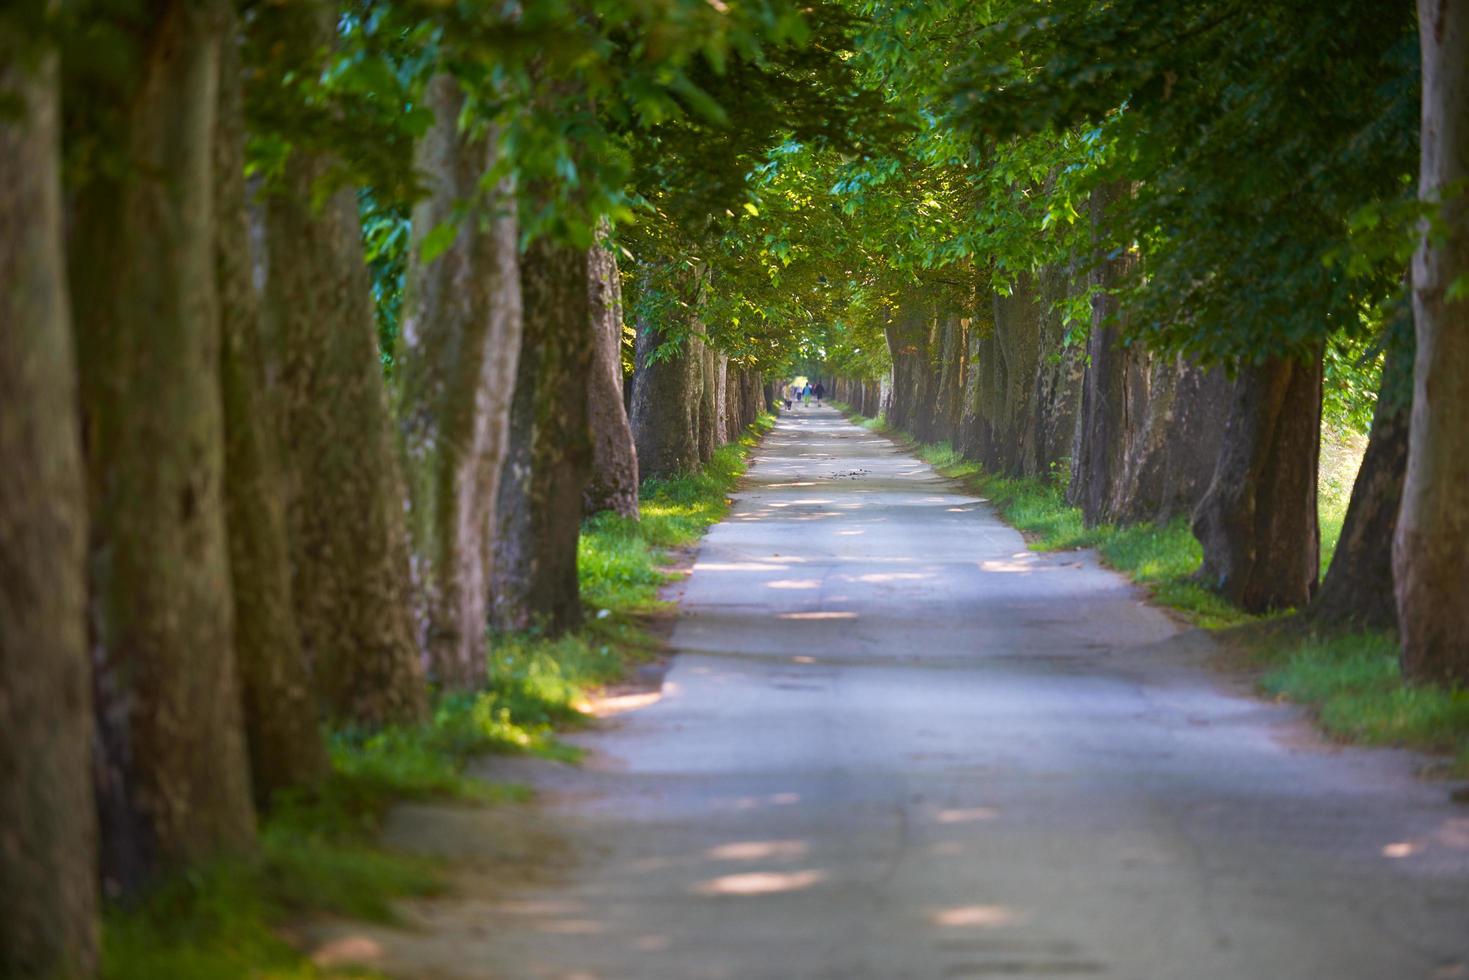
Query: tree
{"x": 173, "y": 778}
{"x": 1429, "y": 560}
{"x": 282, "y": 729}
{"x": 614, "y": 479}
{"x": 459, "y": 347}
{"x": 48, "y": 851}
{"x": 345, "y": 501}
{"x": 550, "y": 454}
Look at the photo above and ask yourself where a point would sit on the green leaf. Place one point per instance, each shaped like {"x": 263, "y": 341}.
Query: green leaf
{"x": 437, "y": 241}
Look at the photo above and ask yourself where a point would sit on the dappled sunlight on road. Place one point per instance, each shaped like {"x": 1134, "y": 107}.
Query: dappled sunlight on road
{"x": 761, "y": 882}
{"x": 974, "y": 917}
{"x": 758, "y": 850}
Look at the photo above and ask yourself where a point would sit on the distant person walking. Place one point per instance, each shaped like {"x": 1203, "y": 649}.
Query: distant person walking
{"x": 820, "y": 392}
{"x": 806, "y": 394}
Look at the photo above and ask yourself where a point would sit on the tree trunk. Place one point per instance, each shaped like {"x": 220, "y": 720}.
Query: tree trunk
{"x": 953, "y": 358}
{"x": 282, "y": 731}
{"x": 173, "y": 780}
{"x": 1111, "y": 387}
{"x": 349, "y": 539}
{"x": 664, "y": 406}
{"x": 1358, "y": 589}
{"x": 1430, "y": 562}
{"x": 1257, "y": 521}
{"x": 725, "y": 424}
{"x": 1170, "y": 456}
{"x": 1017, "y": 344}
{"x": 458, "y": 351}
{"x": 48, "y": 849}
{"x": 550, "y": 458}
{"x": 614, "y": 478}
{"x": 1059, "y": 374}
{"x": 705, "y": 365}
{"x": 908, "y": 347}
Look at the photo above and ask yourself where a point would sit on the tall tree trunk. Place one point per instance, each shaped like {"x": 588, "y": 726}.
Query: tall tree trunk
{"x": 1430, "y": 562}
{"x": 723, "y": 423}
{"x": 48, "y": 849}
{"x": 663, "y": 406}
{"x": 173, "y": 780}
{"x": 550, "y": 458}
{"x": 1358, "y": 589}
{"x": 614, "y": 479}
{"x": 908, "y": 339}
{"x": 456, "y": 374}
{"x": 706, "y": 411}
{"x": 1172, "y": 450}
{"x": 281, "y": 725}
{"x": 349, "y": 540}
{"x": 1257, "y": 521}
{"x": 1017, "y": 343}
{"x": 1110, "y": 390}
{"x": 1059, "y": 374}
{"x": 974, "y": 422}
{"x": 953, "y": 361}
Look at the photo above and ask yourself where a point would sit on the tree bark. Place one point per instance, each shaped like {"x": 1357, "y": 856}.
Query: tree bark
{"x": 48, "y": 849}
{"x": 1017, "y": 345}
{"x": 1358, "y": 589}
{"x": 282, "y": 732}
{"x": 664, "y": 406}
{"x": 1170, "y": 456}
{"x": 173, "y": 780}
{"x": 1113, "y": 385}
{"x": 459, "y": 347}
{"x": 550, "y": 457}
{"x": 1059, "y": 373}
{"x": 953, "y": 362}
{"x": 349, "y": 539}
{"x": 1257, "y": 522}
{"x": 614, "y": 478}
{"x": 707, "y": 413}
{"x": 908, "y": 334}
{"x": 1430, "y": 562}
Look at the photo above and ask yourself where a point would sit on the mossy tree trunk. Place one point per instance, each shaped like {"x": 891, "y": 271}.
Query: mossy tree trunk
{"x": 1111, "y": 389}
{"x": 173, "y": 780}
{"x": 1257, "y": 522}
{"x": 48, "y": 848}
{"x": 1357, "y": 591}
{"x": 550, "y": 455}
{"x": 664, "y": 405}
{"x": 281, "y": 720}
{"x": 614, "y": 478}
{"x": 349, "y": 539}
{"x": 1430, "y": 562}
{"x": 459, "y": 347}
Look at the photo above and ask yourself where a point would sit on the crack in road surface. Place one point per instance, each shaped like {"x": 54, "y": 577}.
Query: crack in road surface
{"x": 947, "y": 757}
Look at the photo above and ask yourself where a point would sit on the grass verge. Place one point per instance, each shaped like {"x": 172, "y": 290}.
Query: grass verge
{"x": 318, "y": 851}
{"x": 1350, "y": 682}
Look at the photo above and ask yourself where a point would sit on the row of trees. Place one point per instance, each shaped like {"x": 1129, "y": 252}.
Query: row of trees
{"x": 312, "y": 363}
{"x": 1177, "y": 247}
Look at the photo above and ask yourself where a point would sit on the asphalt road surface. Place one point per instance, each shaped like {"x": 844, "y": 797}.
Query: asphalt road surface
{"x": 896, "y": 744}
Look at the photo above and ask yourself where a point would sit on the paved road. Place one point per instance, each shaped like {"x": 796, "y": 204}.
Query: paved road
{"x": 896, "y": 744}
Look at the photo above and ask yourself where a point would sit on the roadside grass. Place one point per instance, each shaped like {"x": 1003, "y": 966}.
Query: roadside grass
{"x": 319, "y": 851}
{"x": 1352, "y": 685}
{"x": 1350, "y": 681}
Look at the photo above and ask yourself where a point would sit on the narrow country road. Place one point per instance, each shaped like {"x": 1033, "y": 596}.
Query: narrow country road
{"x": 896, "y": 744}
